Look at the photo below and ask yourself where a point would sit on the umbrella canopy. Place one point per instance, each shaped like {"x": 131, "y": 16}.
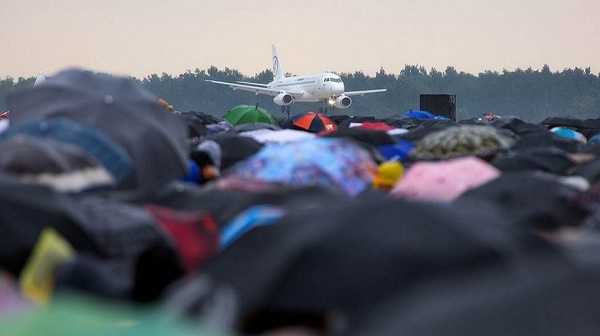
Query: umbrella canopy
{"x": 90, "y": 316}
{"x": 196, "y": 128}
{"x": 205, "y": 118}
{"x": 234, "y": 148}
{"x": 266, "y": 136}
{"x": 550, "y": 297}
{"x": 481, "y": 141}
{"x": 443, "y": 180}
{"x": 550, "y": 159}
{"x": 332, "y": 163}
{"x": 568, "y": 133}
{"x": 530, "y": 199}
{"x": 422, "y": 128}
{"x": 243, "y": 114}
{"x": 417, "y": 114}
{"x": 370, "y": 136}
{"x": 576, "y": 124}
{"x": 155, "y": 139}
{"x": 377, "y": 126}
{"x": 95, "y": 143}
{"x": 546, "y": 139}
{"x": 308, "y": 264}
{"x": 313, "y": 122}
{"x": 254, "y": 126}
{"x": 26, "y": 210}
{"x": 59, "y": 165}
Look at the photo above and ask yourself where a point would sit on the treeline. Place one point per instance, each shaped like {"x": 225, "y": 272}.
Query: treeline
{"x": 529, "y": 94}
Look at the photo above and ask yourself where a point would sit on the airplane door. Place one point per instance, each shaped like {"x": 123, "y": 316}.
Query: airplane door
{"x": 321, "y": 84}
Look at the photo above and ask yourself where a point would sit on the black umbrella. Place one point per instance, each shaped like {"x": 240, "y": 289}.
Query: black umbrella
{"x": 234, "y": 147}
{"x": 533, "y": 200}
{"x": 205, "y": 118}
{"x": 586, "y": 127}
{"x": 547, "y": 139}
{"x": 60, "y": 165}
{"x": 549, "y": 159}
{"x": 27, "y": 209}
{"x": 344, "y": 121}
{"x": 155, "y": 139}
{"x": 589, "y": 170}
{"x": 518, "y": 126}
{"x": 425, "y": 128}
{"x": 372, "y": 137}
{"x": 310, "y": 265}
{"x": 95, "y": 143}
{"x": 196, "y": 128}
{"x": 550, "y": 298}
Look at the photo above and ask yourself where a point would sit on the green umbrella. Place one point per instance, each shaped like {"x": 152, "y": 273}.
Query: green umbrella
{"x": 74, "y": 314}
{"x": 244, "y": 114}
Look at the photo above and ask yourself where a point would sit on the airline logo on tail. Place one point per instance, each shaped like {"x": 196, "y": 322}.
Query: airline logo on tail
{"x": 275, "y": 66}
{"x": 277, "y": 70}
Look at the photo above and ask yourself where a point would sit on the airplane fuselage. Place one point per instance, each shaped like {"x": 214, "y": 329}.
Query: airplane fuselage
{"x": 314, "y": 88}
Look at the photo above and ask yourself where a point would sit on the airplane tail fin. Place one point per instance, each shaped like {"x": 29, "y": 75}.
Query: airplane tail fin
{"x": 41, "y": 77}
{"x": 277, "y": 69}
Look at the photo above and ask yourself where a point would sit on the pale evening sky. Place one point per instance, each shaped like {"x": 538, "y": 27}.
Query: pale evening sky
{"x": 142, "y": 37}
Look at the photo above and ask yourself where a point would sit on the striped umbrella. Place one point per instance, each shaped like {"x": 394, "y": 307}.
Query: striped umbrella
{"x": 313, "y": 122}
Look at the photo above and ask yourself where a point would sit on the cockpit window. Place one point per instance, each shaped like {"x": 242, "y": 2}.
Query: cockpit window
{"x": 335, "y": 80}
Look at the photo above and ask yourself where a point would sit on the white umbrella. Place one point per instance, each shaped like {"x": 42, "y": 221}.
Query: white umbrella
{"x": 266, "y": 136}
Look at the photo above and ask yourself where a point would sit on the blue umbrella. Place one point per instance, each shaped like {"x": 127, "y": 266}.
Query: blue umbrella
{"x": 332, "y": 163}
{"x": 419, "y": 114}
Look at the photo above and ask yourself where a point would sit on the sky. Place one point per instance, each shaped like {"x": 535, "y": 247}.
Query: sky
{"x": 143, "y": 37}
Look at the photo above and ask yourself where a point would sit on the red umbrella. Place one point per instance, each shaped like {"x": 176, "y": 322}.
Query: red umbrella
{"x": 313, "y": 122}
{"x": 377, "y": 126}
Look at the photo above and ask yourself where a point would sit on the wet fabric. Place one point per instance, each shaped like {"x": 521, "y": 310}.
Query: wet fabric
{"x": 157, "y": 144}
{"x": 333, "y": 163}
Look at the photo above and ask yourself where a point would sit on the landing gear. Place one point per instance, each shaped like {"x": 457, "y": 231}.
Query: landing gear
{"x": 285, "y": 109}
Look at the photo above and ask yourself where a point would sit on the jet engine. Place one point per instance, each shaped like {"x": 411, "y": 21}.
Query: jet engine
{"x": 342, "y": 101}
{"x": 283, "y": 99}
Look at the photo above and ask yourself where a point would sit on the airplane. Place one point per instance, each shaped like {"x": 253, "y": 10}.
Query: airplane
{"x": 326, "y": 87}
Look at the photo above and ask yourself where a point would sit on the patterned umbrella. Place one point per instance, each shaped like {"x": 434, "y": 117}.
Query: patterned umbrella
{"x": 458, "y": 141}
{"x": 333, "y": 163}
{"x": 445, "y": 180}
{"x": 244, "y": 114}
{"x": 313, "y": 122}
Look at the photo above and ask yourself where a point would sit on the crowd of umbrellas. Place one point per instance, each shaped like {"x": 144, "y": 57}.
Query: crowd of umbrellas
{"x": 120, "y": 216}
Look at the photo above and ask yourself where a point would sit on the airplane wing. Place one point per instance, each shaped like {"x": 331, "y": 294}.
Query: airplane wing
{"x": 362, "y": 93}
{"x": 250, "y": 83}
{"x": 256, "y": 89}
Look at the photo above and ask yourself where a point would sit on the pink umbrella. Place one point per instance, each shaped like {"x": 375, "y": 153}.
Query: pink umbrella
{"x": 444, "y": 180}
